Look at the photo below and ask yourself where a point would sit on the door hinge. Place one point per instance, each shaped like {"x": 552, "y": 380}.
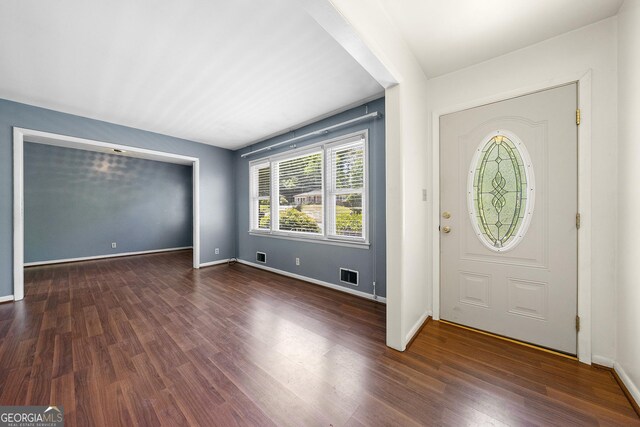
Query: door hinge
{"x": 578, "y": 220}
{"x": 578, "y": 323}
{"x": 578, "y": 116}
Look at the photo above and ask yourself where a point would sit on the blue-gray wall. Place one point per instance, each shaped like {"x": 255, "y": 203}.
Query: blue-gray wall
{"x": 224, "y": 199}
{"x": 78, "y": 202}
{"x": 317, "y": 260}
{"x": 216, "y": 175}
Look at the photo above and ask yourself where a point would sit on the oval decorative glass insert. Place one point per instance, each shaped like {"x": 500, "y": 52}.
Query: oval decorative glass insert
{"x": 501, "y": 191}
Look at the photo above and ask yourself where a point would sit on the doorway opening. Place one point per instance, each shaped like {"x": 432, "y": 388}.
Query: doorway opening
{"x": 20, "y": 136}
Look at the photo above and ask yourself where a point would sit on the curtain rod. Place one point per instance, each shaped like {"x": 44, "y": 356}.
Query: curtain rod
{"x": 323, "y": 131}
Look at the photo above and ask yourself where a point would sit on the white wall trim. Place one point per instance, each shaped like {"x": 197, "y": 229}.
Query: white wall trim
{"x": 218, "y": 262}
{"x": 118, "y": 255}
{"x": 59, "y": 140}
{"x": 196, "y": 213}
{"x": 6, "y": 298}
{"x": 47, "y": 138}
{"x": 631, "y": 387}
{"x": 18, "y": 214}
{"x": 617, "y": 367}
{"x": 316, "y": 282}
{"x": 584, "y": 207}
{"x": 416, "y": 327}
{"x": 602, "y": 361}
{"x": 584, "y": 195}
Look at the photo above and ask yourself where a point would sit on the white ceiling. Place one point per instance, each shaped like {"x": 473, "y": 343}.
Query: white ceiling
{"x": 221, "y": 72}
{"x": 232, "y": 72}
{"x": 447, "y": 35}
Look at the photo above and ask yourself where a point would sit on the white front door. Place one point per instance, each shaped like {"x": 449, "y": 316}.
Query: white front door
{"x": 508, "y": 201}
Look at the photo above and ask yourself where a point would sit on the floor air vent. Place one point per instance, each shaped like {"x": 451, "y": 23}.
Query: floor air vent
{"x": 349, "y": 276}
{"x": 261, "y": 257}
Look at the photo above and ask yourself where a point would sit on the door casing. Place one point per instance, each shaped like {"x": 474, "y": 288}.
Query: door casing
{"x": 583, "y": 81}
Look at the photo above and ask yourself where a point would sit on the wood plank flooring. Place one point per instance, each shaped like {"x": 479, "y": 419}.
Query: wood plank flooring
{"x": 146, "y": 340}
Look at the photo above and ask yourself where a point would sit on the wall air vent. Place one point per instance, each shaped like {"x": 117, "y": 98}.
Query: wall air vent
{"x": 261, "y": 257}
{"x": 349, "y": 276}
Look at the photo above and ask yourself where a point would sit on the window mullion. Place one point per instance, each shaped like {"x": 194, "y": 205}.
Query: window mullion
{"x": 329, "y": 199}
{"x": 323, "y": 171}
{"x": 275, "y": 196}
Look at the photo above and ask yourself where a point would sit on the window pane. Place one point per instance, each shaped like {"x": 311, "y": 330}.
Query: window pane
{"x": 347, "y": 171}
{"x": 264, "y": 181}
{"x": 348, "y": 164}
{"x": 349, "y": 218}
{"x": 300, "y": 204}
{"x": 261, "y": 191}
{"x": 501, "y": 189}
{"x": 264, "y": 214}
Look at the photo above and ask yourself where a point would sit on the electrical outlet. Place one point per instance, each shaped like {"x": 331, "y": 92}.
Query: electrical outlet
{"x": 217, "y": 251}
{"x": 297, "y": 261}
{"x": 113, "y": 245}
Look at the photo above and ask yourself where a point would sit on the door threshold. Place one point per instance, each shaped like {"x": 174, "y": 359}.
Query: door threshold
{"x": 511, "y": 340}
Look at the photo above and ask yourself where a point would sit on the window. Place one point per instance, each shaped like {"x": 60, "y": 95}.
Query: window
{"x": 346, "y": 192}
{"x": 261, "y": 197}
{"x": 300, "y": 195}
{"x": 318, "y": 192}
{"x": 501, "y": 189}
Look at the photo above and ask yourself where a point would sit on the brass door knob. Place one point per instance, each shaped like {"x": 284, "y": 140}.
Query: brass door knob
{"x": 446, "y": 229}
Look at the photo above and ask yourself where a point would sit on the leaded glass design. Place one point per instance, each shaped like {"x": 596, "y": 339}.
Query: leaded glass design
{"x": 501, "y": 192}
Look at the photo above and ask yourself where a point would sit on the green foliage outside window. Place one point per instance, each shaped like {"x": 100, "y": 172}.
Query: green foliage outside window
{"x": 292, "y": 220}
{"x": 348, "y": 222}
{"x": 265, "y": 220}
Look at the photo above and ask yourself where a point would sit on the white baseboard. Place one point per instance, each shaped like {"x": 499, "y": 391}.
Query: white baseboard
{"x": 88, "y": 258}
{"x": 210, "y": 263}
{"x": 416, "y": 327}
{"x": 316, "y": 282}
{"x": 6, "y": 298}
{"x": 619, "y": 370}
{"x": 602, "y": 361}
{"x": 631, "y": 387}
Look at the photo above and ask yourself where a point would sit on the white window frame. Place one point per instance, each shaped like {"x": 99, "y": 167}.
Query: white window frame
{"x": 255, "y": 196}
{"x": 275, "y": 191}
{"x": 332, "y": 192}
{"x": 328, "y": 193}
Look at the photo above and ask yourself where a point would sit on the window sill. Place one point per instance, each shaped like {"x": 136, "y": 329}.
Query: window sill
{"x": 324, "y": 241}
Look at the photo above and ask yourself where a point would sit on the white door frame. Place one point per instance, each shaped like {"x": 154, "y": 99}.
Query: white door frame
{"x": 20, "y": 135}
{"x": 583, "y": 81}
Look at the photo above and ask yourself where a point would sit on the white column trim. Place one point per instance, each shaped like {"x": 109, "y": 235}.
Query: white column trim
{"x": 18, "y": 214}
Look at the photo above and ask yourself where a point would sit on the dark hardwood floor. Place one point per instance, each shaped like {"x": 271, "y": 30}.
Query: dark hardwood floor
{"x": 146, "y": 340}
